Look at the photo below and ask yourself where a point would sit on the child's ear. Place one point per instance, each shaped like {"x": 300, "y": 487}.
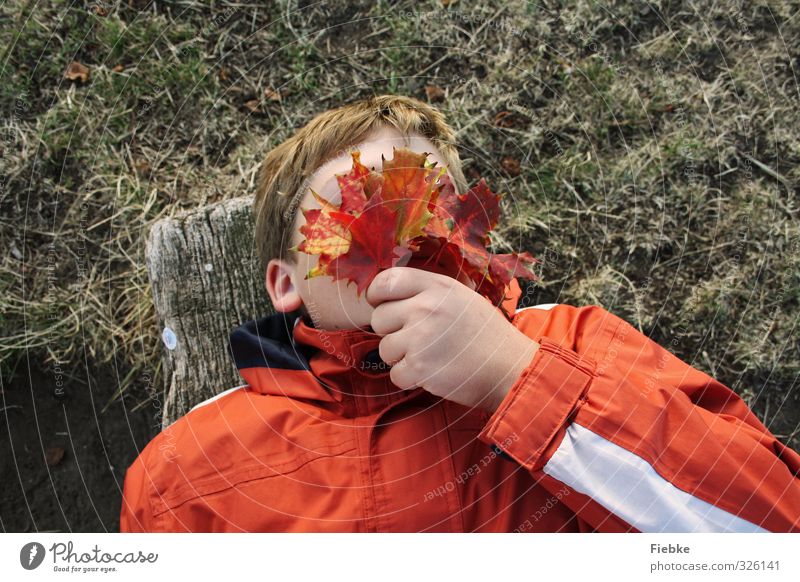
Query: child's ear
{"x": 281, "y": 287}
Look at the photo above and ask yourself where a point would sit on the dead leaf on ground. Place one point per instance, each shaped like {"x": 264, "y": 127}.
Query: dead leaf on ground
{"x": 142, "y": 167}
{"x": 504, "y": 119}
{"x": 77, "y": 72}
{"x": 54, "y": 456}
{"x": 434, "y": 93}
{"x": 223, "y": 74}
{"x": 253, "y": 105}
{"x": 510, "y": 165}
{"x": 118, "y": 69}
{"x": 272, "y": 95}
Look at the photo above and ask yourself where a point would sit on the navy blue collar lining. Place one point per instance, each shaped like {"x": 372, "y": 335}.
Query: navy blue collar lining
{"x": 268, "y": 343}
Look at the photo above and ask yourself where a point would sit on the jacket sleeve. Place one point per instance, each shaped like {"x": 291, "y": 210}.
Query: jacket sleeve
{"x": 136, "y": 514}
{"x": 641, "y": 439}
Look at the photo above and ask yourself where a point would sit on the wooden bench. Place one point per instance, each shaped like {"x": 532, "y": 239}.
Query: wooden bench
{"x": 205, "y": 280}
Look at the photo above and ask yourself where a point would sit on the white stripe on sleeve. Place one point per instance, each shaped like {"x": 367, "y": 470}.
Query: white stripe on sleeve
{"x": 218, "y": 396}
{"x": 543, "y": 307}
{"x": 630, "y": 487}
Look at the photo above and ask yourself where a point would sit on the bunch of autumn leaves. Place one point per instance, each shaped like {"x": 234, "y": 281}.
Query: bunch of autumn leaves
{"x": 410, "y": 211}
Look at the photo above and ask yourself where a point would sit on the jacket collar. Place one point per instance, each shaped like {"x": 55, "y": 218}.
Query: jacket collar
{"x": 282, "y": 355}
{"x": 337, "y": 369}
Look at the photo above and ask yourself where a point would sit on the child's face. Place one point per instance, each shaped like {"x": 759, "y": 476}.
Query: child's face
{"x": 334, "y": 304}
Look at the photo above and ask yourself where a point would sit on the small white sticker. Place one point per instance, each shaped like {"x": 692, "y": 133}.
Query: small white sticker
{"x": 209, "y": 267}
{"x": 169, "y": 338}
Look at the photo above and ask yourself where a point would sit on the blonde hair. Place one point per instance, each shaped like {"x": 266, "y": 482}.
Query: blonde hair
{"x": 287, "y": 167}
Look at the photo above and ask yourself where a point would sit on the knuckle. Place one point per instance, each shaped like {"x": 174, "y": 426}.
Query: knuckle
{"x": 415, "y": 366}
{"x": 392, "y": 277}
{"x": 425, "y": 307}
{"x": 442, "y": 282}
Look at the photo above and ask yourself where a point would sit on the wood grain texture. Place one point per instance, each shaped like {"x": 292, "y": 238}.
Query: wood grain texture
{"x": 206, "y": 281}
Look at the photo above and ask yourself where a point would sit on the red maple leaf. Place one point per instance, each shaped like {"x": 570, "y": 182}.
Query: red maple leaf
{"x": 372, "y": 247}
{"x": 503, "y": 268}
{"x": 353, "y": 186}
{"x": 409, "y": 213}
{"x": 466, "y": 220}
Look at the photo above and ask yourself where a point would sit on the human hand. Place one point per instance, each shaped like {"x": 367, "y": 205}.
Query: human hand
{"x": 445, "y": 338}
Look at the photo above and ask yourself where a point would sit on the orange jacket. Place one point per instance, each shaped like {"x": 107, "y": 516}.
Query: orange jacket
{"x": 604, "y": 431}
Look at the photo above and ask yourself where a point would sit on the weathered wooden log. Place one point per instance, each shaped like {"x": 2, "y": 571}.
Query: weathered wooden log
{"x": 206, "y": 280}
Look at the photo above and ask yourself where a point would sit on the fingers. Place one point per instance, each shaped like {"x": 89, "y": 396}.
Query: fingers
{"x": 399, "y": 283}
{"x": 390, "y": 316}
{"x": 393, "y": 348}
{"x": 400, "y": 377}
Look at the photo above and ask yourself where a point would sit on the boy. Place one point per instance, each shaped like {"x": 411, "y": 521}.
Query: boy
{"x": 560, "y": 419}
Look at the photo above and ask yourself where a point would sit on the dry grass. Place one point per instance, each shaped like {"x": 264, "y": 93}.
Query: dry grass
{"x": 657, "y": 150}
